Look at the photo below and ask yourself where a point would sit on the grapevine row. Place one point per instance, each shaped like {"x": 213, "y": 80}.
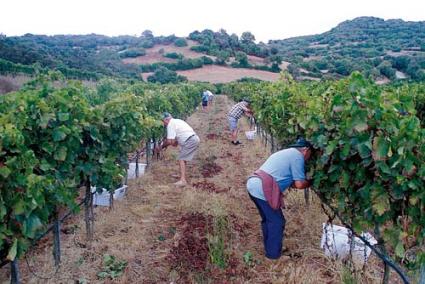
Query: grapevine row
{"x": 369, "y": 158}
{"x": 53, "y": 140}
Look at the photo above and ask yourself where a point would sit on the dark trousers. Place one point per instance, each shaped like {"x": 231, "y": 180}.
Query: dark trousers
{"x": 272, "y": 225}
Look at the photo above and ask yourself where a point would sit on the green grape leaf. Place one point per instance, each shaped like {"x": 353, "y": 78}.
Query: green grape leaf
{"x": 380, "y": 148}
{"x": 5, "y": 171}
{"x": 63, "y": 116}
{"x": 58, "y": 135}
{"x": 45, "y": 166}
{"x": 60, "y": 154}
{"x": 19, "y": 207}
{"x": 399, "y": 250}
{"x": 381, "y": 205}
{"x": 364, "y": 150}
{"x": 31, "y": 225}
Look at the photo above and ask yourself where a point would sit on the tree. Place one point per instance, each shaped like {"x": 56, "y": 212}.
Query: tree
{"x": 234, "y": 41}
{"x": 163, "y": 75}
{"x": 180, "y": 42}
{"x": 242, "y": 59}
{"x": 222, "y": 39}
{"x": 275, "y": 60}
{"x": 221, "y": 57}
{"x": 247, "y": 37}
{"x": 401, "y": 62}
{"x": 147, "y": 34}
{"x": 274, "y": 51}
{"x": 293, "y": 70}
{"x": 343, "y": 67}
{"x": 415, "y": 72}
{"x": 387, "y": 70}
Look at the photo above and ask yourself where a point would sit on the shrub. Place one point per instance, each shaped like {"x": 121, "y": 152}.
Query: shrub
{"x": 174, "y": 55}
{"x": 180, "y": 42}
{"x": 242, "y": 59}
{"x": 386, "y": 69}
{"x": 147, "y": 43}
{"x": 200, "y": 48}
{"x": 163, "y": 75}
{"x": 132, "y": 52}
{"x": 207, "y": 60}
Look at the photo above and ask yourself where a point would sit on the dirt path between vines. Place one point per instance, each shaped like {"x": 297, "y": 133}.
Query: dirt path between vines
{"x": 208, "y": 232}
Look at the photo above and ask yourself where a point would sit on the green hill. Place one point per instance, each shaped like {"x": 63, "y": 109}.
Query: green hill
{"x": 384, "y": 50}
{"x": 371, "y": 45}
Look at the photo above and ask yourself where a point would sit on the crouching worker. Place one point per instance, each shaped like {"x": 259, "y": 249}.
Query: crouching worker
{"x": 235, "y": 113}
{"x": 281, "y": 170}
{"x": 180, "y": 133}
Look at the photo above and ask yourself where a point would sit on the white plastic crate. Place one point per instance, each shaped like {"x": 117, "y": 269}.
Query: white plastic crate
{"x": 103, "y": 198}
{"x": 336, "y": 243}
{"x": 250, "y": 135}
{"x": 131, "y": 171}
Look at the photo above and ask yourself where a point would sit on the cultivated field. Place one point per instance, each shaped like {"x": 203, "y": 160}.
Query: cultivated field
{"x": 208, "y": 232}
{"x": 222, "y": 74}
{"x": 255, "y": 60}
{"x": 155, "y": 54}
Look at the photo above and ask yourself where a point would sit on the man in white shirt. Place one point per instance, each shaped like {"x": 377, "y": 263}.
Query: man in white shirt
{"x": 180, "y": 133}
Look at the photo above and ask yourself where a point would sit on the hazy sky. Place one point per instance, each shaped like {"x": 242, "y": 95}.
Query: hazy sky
{"x": 266, "y": 19}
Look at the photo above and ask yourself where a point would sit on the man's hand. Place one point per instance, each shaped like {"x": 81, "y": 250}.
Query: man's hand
{"x": 157, "y": 152}
{"x": 168, "y": 142}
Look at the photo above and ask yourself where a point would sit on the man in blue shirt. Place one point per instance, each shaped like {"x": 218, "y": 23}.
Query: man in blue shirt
{"x": 286, "y": 167}
{"x": 205, "y": 99}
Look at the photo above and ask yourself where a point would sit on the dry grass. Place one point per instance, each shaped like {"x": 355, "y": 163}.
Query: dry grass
{"x": 145, "y": 227}
{"x": 222, "y": 74}
{"x": 153, "y": 55}
{"x": 404, "y": 53}
{"x": 284, "y": 65}
{"x": 311, "y": 58}
{"x": 309, "y": 78}
{"x": 255, "y": 60}
{"x": 146, "y": 75}
{"x": 12, "y": 83}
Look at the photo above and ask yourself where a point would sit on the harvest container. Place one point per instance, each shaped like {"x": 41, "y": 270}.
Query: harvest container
{"x": 103, "y": 198}
{"x": 131, "y": 171}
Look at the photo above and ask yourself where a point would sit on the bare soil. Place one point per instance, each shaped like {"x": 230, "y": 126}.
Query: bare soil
{"x": 404, "y": 52}
{"x": 312, "y": 58}
{"x": 255, "y": 60}
{"x": 165, "y": 233}
{"x": 146, "y": 75}
{"x": 284, "y": 65}
{"x": 222, "y": 74}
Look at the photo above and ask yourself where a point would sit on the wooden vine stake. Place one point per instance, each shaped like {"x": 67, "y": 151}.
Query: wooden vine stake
{"x": 88, "y": 207}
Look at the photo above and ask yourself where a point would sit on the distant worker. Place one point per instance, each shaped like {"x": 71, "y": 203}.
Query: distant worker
{"x": 281, "y": 170}
{"x": 235, "y": 113}
{"x": 180, "y": 133}
{"x": 205, "y": 99}
{"x": 210, "y": 97}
